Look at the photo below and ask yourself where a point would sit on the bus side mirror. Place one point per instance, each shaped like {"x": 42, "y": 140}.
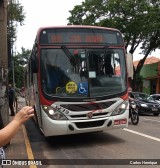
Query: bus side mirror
{"x": 129, "y": 61}
{"x": 34, "y": 64}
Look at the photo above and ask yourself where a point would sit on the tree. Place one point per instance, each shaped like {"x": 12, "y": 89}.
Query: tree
{"x": 139, "y": 21}
{"x": 15, "y": 15}
{"x": 20, "y": 61}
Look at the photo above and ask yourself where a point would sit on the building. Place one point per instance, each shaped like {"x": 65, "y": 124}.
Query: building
{"x": 151, "y": 75}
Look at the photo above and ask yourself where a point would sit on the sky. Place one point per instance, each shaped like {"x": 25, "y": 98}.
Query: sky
{"x": 41, "y": 13}
{"x": 48, "y": 13}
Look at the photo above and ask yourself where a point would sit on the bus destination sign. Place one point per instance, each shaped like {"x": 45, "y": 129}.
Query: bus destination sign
{"x": 76, "y": 38}
{"x": 80, "y": 36}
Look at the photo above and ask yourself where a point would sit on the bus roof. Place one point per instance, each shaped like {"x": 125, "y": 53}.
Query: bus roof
{"x": 79, "y": 34}
{"x": 76, "y": 26}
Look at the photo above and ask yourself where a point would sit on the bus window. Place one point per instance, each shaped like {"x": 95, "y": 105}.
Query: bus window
{"x": 54, "y": 71}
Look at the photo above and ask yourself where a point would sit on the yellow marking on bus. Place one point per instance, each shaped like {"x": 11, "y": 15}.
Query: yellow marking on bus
{"x": 28, "y": 147}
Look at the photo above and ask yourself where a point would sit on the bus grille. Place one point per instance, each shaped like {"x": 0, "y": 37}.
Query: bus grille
{"x": 88, "y": 106}
{"x": 84, "y": 115}
{"x": 89, "y": 124}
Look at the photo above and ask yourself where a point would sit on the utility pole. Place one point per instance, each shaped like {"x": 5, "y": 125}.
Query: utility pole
{"x": 4, "y": 109}
{"x": 12, "y": 43}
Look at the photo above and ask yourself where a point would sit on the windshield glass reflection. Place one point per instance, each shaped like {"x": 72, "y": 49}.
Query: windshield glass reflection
{"x": 92, "y": 72}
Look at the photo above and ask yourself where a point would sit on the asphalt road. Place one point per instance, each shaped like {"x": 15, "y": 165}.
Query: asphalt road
{"x": 135, "y": 142}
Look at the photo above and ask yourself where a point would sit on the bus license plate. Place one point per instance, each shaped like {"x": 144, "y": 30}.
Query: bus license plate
{"x": 154, "y": 109}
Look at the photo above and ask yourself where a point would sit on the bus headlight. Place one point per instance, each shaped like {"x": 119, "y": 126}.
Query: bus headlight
{"x": 53, "y": 113}
{"x": 120, "y": 109}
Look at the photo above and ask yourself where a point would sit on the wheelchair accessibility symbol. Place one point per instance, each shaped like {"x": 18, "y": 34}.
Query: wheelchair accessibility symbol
{"x": 83, "y": 88}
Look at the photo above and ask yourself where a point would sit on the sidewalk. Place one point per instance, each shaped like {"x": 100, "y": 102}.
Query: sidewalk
{"x": 17, "y": 147}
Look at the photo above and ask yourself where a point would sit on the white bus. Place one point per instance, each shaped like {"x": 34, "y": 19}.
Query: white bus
{"x": 76, "y": 79}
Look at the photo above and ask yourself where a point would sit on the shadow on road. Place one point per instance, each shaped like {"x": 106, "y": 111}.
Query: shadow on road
{"x": 35, "y": 135}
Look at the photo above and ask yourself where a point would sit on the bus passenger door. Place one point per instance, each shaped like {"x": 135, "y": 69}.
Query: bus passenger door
{"x": 34, "y": 89}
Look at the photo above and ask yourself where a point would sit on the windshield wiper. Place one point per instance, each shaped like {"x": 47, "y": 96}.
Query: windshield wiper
{"x": 69, "y": 55}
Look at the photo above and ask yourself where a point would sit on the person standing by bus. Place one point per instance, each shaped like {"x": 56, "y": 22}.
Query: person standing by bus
{"x": 11, "y": 97}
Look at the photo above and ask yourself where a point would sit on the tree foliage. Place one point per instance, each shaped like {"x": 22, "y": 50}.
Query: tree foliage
{"x": 139, "y": 21}
{"x": 15, "y": 15}
{"x": 20, "y": 61}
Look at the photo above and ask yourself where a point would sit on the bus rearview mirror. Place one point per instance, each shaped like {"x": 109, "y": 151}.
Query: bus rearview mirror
{"x": 129, "y": 61}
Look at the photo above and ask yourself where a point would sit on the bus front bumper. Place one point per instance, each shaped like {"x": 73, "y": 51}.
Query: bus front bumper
{"x": 56, "y": 127}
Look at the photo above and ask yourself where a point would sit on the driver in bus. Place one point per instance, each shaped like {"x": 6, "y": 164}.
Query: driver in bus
{"x": 107, "y": 65}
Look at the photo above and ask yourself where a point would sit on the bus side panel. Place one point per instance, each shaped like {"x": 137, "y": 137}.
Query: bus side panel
{"x": 36, "y": 100}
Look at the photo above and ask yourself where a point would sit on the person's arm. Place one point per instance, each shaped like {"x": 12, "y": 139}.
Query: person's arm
{"x": 8, "y": 132}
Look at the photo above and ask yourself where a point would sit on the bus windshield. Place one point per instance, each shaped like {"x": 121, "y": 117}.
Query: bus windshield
{"x": 82, "y": 72}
